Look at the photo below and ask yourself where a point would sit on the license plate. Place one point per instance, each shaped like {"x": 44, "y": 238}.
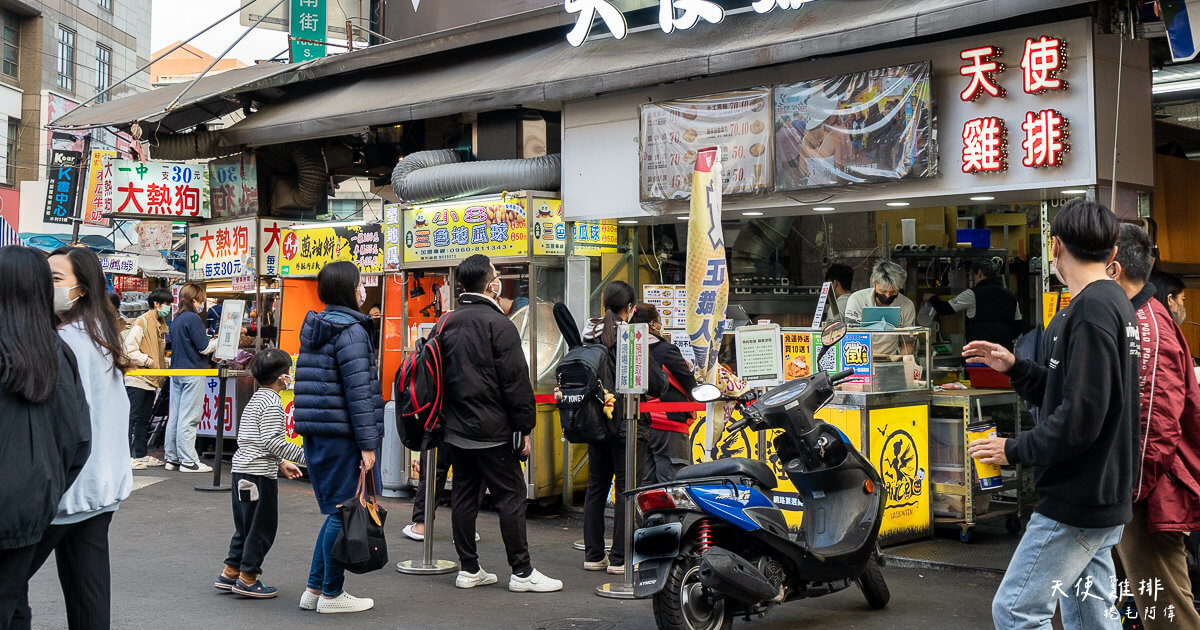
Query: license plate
{"x": 655, "y": 543}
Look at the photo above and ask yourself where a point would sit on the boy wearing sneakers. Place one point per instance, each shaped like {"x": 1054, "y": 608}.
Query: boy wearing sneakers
{"x": 263, "y": 451}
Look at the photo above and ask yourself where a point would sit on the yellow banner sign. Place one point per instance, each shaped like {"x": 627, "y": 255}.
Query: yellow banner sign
{"x": 550, "y": 233}
{"x": 707, "y": 279}
{"x": 305, "y": 250}
{"x": 452, "y": 231}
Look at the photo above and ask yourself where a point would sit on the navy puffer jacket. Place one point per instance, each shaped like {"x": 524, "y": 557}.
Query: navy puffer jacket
{"x": 337, "y": 384}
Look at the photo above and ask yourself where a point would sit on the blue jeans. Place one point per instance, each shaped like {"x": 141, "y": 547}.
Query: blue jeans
{"x": 187, "y": 405}
{"x": 325, "y": 574}
{"x": 1057, "y": 564}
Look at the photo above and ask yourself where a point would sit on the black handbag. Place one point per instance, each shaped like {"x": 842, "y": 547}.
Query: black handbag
{"x": 360, "y": 547}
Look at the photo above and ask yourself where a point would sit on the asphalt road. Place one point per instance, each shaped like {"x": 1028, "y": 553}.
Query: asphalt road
{"x": 168, "y": 541}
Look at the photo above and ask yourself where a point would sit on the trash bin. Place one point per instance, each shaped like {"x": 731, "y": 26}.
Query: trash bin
{"x": 391, "y": 458}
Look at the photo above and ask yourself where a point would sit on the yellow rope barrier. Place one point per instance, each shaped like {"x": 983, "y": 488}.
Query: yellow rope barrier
{"x": 180, "y": 372}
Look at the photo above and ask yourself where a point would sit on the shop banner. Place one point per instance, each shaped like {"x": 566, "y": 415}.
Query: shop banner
{"x": 392, "y": 227}
{"x": 306, "y": 249}
{"x": 243, "y": 283}
{"x": 62, "y": 186}
{"x": 270, "y": 237}
{"x": 672, "y": 133}
{"x": 121, "y": 284}
{"x": 797, "y": 355}
{"x": 456, "y": 230}
{"x": 872, "y": 126}
{"x": 154, "y": 234}
{"x": 707, "y": 280}
{"x": 220, "y": 250}
{"x": 856, "y": 355}
{"x": 550, "y": 233}
{"x": 94, "y": 197}
{"x": 125, "y": 264}
{"x": 233, "y": 184}
{"x": 208, "y": 417}
{"x": 171, "y": 189}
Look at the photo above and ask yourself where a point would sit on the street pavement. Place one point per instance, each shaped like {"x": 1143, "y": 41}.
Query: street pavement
{"x": 168, "y": 542}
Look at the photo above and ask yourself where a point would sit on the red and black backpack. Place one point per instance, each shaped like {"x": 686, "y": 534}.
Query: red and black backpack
{"x": 418, "y": 393}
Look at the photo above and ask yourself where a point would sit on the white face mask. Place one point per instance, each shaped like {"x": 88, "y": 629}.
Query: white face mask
{"x": 496, "y": 287}
{"x": 62, "y": 299}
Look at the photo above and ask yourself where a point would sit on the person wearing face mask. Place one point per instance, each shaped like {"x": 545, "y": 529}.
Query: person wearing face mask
{"x": 991, "y": 310}
{"x": 510, "y": 306}
{"x": 1170, "y": 290}
{"x": 145, "y": 346}
{"x": 887, "y": 280}
{"x": 190, "y": 346}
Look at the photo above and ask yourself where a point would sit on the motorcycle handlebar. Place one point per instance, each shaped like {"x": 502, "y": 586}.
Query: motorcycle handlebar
{"x": 841, "y": 376}
{"x": 737, "y": 426}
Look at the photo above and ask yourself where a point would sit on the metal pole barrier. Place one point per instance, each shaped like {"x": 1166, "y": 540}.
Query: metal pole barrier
{"x": 222, "y": 374}
{"x": 624, "y": 590}
{"x": 427, "y": 565}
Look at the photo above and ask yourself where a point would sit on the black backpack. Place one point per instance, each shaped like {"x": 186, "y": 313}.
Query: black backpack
{"x": 585, "y": 376}
{"x": 418, "y": 393}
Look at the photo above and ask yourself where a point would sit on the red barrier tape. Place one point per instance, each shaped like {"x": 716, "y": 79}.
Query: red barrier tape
{"x": 548, "y": 399}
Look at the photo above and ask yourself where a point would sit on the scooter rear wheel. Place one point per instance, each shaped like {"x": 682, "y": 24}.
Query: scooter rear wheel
{"x": 873, "y": 585}
{"x": 683, "y": 605}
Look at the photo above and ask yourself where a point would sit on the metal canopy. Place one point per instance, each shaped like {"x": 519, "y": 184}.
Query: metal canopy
{"x": 548, "y": 69}
{"x": 210, "y": 98}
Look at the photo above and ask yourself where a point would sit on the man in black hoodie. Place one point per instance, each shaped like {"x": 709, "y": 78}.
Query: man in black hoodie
{"x": 1083, "y": 448}
{"x": 488, "y": 400}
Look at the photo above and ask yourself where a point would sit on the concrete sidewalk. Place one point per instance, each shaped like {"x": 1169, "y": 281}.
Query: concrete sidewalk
{"x": 168, "y": 542}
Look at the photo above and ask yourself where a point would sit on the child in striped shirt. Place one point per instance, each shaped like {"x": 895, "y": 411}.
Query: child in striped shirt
{"x": 263, "y": 451}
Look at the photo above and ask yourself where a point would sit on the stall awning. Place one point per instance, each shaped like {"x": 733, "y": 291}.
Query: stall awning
{"x": 211, "y": 97}
{"x": 547, "y": 69}
{"x": 51, "y": 242}
{"x": 151, "y": 263}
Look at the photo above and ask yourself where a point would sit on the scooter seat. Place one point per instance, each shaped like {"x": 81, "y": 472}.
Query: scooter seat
{"x": 757, "y": 471}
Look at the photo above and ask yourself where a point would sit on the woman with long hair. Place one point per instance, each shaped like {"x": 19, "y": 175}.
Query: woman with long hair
{"x": 190, "y": 346}
{"x": 606, "y": 460}
{"x": 78, "y": 536}
{"x": 44, "y": 420}
{"x": 339, "y": 411}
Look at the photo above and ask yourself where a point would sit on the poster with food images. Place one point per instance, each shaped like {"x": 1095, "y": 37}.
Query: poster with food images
{"x": 673, "y": 132}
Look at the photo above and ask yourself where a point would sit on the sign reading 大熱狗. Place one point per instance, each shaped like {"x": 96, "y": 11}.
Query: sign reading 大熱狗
{"x": 673, "y": 15}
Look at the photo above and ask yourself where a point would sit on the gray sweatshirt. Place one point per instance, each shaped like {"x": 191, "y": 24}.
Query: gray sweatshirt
{"x": 106, "y": 478}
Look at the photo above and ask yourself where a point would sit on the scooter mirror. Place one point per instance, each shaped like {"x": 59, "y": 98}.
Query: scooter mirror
{"x": 833, "y": 333}
{"x": 706, "y": 393}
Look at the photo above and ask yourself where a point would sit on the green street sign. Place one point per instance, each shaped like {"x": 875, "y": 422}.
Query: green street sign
{"x": 307, "y": 21}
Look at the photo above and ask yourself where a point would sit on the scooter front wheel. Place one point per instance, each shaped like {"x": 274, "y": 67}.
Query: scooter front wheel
{"x": 682, "y": 604}
{"x": 873, "y": 586}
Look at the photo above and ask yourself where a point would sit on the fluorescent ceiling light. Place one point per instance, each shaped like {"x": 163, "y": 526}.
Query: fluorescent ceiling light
{"x": 982, "y": 198}
{"x": 823, "y": 209}
{"x": 1176, "y": 86}
{"x": 897, "y": 204}
{"x": 1074, "y": 191}
{"x": 752, "y": 214}
{"x": 683, "y": 217}
{"x": 627, "y": 222}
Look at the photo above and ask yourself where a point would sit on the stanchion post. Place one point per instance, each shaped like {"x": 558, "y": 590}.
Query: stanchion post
{"x": 427, "y": 565}
{"x": 566, "y": 467}
{"x": 624, "y": 590}
{"x": 222, "y": 375}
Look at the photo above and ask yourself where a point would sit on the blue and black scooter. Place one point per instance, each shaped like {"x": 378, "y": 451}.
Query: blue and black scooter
{"x": 713, "y": 546}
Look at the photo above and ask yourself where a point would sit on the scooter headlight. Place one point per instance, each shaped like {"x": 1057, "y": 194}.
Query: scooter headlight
{"x": 660, "y": 499}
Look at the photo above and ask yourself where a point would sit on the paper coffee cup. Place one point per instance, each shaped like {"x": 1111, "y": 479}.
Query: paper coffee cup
{"x": 989, "y": 474}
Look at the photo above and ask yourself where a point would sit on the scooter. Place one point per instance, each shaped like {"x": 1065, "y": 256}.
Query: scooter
{"x": 713, "y": 546}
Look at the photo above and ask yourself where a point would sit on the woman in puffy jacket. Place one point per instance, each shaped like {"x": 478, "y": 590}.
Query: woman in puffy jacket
{"x": 339, "y": 411}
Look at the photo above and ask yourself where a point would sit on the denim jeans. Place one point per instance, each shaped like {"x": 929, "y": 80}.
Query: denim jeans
{"x": 1057, "y": 564}
{"x": 325, "y": 574}
{"x": 187, "y": 405}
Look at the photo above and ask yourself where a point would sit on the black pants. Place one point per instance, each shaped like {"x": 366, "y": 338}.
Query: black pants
{"x": 141, "y": 406}
{"x": 500, "y": 469}
{"x": 81, "y": 554}
{"x": 666, "y": 452}
{"x": 606, "y": 463}
{"x": 14, "y": 583}
{"x": 255, "y": 521}
{"x": 443, "y": 469}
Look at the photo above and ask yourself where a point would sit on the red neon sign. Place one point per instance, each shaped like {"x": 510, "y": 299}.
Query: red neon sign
{"x": 982, "y": 68}
{"x": 985, "y": 143}
{"x": 1045, "y": 138}
{"x": 1044, "y": 58}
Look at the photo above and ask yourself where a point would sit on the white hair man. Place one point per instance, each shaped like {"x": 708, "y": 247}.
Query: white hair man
{"x": 887, "y": 280}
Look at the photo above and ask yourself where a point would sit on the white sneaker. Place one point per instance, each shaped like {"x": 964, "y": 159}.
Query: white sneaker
{"x": 344, "y": 603}
{"x": 308, "y": 601}
{"x": 412, "y": 534}
{"x": 137, "y": 464}
{"x": 171, "y": 465}
{"x": 195, "y": 467}
{"x": 471, "y": 580}
{"x": 535, "y": 583}
{"x": 599, "y": 565}
{"x": 616, "y": 569}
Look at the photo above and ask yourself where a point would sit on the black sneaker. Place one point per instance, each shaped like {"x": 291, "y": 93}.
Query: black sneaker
{"x": 258, "y": 590}
{"x": 223, "y": 583}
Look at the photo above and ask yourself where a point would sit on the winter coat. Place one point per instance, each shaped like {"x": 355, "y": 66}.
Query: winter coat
{"x": 1168, "y": 465}
{"x": 675, "y": 369}
{"x": 189, "y": 342}
{"x": 145, "y": 346}
{"x": 656, "y": 379}
{"x": 488, "y": 393}
{"x": 339, "y": 401}
{"x": 45, "y": 446}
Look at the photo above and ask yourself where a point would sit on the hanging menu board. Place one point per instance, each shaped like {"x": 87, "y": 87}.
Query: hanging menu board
{"x": 671, "y": 302}
{"x": 673, "y": 132}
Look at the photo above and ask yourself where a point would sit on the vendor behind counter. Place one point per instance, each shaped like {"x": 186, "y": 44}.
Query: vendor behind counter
{"x": 887, "y": 280}
{"x": 992, "y": 313}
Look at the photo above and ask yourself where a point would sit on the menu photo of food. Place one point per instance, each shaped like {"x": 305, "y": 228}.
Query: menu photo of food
{"x": 673, "y": 132}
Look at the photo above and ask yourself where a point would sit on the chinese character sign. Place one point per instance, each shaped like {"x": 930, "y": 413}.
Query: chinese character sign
{"x": 673, "y": 15}
{"x": 270, "y": 239}
{"x": 392, "y": 226}
{"x": 94, "y": 209}
{"x": 168, "y": 189}
{"x": 221, "y": 250}
{"x": 124, "y": 264}
{"x": 856, "y": 355}
{"x": 62, "y": 185}
{"x": 154, "y": 234}
{"x": 707, "y": 280}
{"x": 233, "y": 185}
{"x": 305, "y": 250}
{"x": 550, "y": 233}
{"x": 457, "y": 230}
{"x": 307, "y": 21}
{"x": 208, "y": 416}
{"x": 985, "y": 144}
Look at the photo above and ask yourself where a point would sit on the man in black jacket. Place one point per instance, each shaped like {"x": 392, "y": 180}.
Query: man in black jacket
{"x": 992, "y": 313}
{"x": 1083, "y": 447}
{"x": 488, "y": 404}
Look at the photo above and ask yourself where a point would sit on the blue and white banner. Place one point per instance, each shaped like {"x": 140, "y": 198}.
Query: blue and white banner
{"x": 1183, "y": 28}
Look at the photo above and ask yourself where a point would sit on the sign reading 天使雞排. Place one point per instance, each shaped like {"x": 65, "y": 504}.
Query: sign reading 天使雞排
{"x": 673, "y": 15}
